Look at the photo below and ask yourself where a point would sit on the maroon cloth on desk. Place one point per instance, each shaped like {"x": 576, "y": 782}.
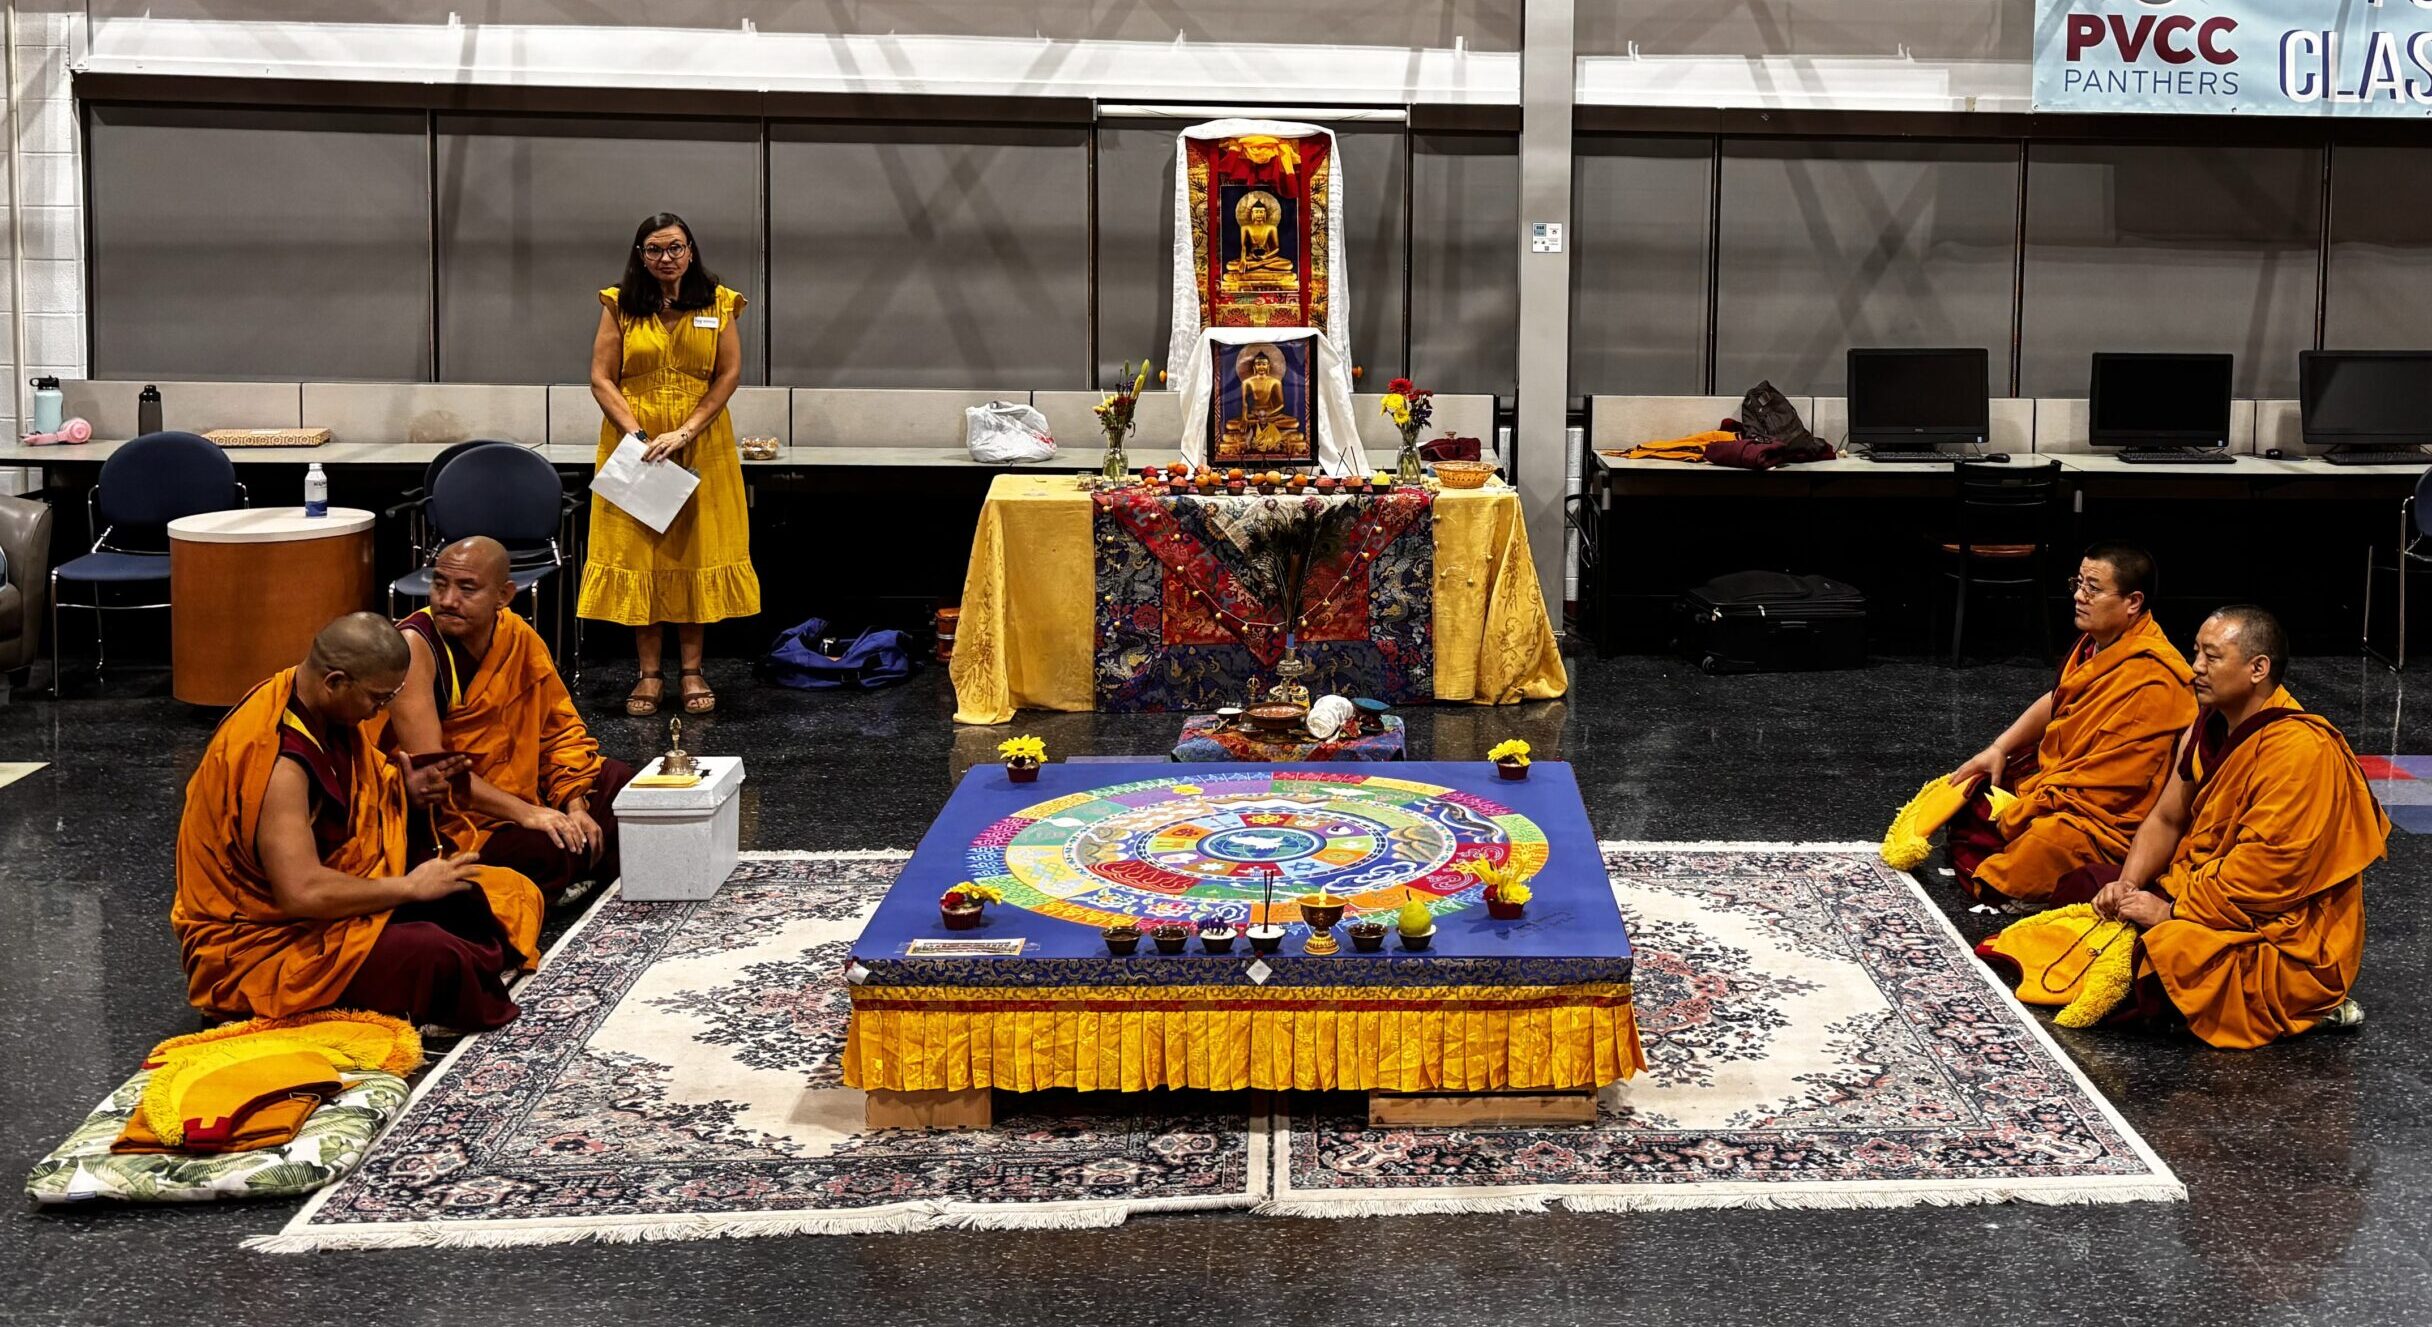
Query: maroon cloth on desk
{"x": 1450, "y": 449}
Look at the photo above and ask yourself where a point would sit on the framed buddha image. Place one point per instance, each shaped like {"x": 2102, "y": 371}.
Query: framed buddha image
{"x": 1263, "y": 410}
{"x": 1260, "y": 222}
{"x": 1260, "y": 241}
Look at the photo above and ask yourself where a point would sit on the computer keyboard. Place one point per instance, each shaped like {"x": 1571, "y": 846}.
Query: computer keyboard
{"x": 2369, "y": 456}
{"x": 2177, "y": 456}
{"x": 1896, "y": 456}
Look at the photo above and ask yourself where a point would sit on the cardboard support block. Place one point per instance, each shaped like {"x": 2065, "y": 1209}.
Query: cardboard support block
{"x": 1476, "y": 1110}
{"x": 969, "y": 1109}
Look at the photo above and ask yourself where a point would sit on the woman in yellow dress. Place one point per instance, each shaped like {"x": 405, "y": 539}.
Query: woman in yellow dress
{"x": 665, "y": 360}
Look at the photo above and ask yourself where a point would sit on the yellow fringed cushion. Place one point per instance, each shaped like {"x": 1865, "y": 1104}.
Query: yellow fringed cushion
{"x": 1908, "y": 841}
{"x": 2070, "y": 957}
{"x": 216, "y": 1083}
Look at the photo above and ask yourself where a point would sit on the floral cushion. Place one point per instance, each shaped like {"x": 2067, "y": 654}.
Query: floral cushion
{"x": 327, "y": 1147}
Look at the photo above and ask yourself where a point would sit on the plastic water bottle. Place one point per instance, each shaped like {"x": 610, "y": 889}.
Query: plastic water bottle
{"x": 316, "y": 491}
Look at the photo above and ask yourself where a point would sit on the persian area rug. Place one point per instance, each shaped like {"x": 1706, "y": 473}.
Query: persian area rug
{"x": 1817, "y": 1036}
{"x": 676, "y": 1075}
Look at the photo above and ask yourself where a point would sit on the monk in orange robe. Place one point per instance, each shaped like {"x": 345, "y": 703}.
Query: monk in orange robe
{"x": 2247, "y": 881}
{"x": 293, "y": 892}
{"x": 542, "y": 799}
{"x": 2089, "y": 757}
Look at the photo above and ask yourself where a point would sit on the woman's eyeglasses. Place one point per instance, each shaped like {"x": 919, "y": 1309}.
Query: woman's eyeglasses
{"x": 666, "y": 252}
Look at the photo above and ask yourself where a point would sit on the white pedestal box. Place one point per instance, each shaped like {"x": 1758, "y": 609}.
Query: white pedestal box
{"x": 679, "y": 843}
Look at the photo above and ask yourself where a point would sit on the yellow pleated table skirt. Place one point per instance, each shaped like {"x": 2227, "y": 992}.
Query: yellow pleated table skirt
{"x": 1134, "y": 1038}
{"x": 1029, "y": 627}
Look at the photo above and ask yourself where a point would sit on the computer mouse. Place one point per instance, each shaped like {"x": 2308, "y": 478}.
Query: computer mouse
{"x": 1998, "y": 458}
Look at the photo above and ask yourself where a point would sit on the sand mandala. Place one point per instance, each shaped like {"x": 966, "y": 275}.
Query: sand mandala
{"x": 1203, "y": 847}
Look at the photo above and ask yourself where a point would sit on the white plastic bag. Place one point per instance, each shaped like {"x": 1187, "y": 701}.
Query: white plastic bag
{"x": 1001, "y": 433}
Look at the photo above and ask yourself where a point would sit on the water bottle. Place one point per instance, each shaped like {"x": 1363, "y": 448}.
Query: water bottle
{"x": 46, "y": 404}
{"x": 316, "y": 491}
{"x": 147, "y": 411}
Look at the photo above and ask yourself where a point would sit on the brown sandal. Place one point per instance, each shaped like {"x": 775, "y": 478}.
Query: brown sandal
{"x": 641, "y": 706}
{"x": 696, "y": 702}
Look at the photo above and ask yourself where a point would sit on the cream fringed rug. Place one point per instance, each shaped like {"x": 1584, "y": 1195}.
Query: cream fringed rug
{"x": 1816, "y": 1035}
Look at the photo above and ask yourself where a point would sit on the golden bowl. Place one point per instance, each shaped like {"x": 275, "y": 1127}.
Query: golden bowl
{"x": 1276, "y": 715}
{"x": 1464, "y": 474}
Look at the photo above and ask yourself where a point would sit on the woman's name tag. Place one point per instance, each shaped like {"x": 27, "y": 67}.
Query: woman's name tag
{"x": 706, "y": 320}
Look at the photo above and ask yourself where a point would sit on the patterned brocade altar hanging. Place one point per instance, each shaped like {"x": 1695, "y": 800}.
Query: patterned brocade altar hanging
{"x": 1198, "y": 596}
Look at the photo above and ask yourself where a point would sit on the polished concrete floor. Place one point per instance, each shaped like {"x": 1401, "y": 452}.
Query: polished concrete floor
{"x": 2309, "y": 1165}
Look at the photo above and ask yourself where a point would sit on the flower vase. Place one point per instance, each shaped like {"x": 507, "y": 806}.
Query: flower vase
{"x": 1116, "y": 467}
{"x": 1022, "y": 771}
{"x": 961, "y": 919}
{"x": 1504, "y": 912}
{"x": 1411, "y": 468}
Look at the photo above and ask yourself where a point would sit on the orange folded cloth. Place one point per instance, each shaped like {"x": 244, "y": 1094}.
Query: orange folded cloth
{"x": 1691, "y": 448}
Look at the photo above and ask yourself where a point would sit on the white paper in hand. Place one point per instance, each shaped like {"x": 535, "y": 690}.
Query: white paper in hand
{"x": 649, "y": 492}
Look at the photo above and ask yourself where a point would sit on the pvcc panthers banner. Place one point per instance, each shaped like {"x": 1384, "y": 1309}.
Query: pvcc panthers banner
{"x": 2250, "y": 57}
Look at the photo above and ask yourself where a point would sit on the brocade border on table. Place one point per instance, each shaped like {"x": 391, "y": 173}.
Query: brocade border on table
{"x": 1346, "y": 969}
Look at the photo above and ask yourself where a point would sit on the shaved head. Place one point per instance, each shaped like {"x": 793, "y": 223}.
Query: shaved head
{"x": 364, "y": 646}
{"x": 2255, "y": 633}
{"x": 481, "y": 555}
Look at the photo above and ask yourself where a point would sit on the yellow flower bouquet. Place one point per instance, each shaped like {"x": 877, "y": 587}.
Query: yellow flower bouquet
{"x": 962, "y": 906}
{"x": 1511, "y": 758}
{"x": 1023, "y": 756}
{"x": 1505, "y": 895}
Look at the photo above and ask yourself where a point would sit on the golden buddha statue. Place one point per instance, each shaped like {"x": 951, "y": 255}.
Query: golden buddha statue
{"x": 1266, "y": 426}
{"x": 1262, "y": 264}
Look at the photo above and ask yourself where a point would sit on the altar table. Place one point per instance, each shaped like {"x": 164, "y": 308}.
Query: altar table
{"x": 1028, "y": 626}
{"x": 1542, "y": 1003}
{"x": 1207, "y": 738}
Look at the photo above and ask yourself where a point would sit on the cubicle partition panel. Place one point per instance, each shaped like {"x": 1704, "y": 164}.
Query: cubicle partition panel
{"x": 536, "y": 213}
{"x": 236, "y": 242}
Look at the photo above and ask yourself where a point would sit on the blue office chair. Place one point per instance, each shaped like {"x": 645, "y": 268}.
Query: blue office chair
{"x": 514, "y": 496}
{"x": 145, "y": 484}
{"x": 414, "y": 504}
{"x": 2410, "y": 554}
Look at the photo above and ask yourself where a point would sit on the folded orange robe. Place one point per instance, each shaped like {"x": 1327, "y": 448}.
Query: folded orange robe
{"x": 243, "y": 956}
{"x": 1691, "y": 448}
{"x": 514, "y": 717}
{"x": 2268, "y": 880}
{"x": 2100, "y": 766}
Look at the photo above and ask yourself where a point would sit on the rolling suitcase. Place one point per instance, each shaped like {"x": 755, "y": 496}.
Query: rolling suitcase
{"x": 1772, "y": 622}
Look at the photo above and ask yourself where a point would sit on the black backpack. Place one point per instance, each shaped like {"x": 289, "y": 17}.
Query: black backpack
{"x": 1768, "y": 416}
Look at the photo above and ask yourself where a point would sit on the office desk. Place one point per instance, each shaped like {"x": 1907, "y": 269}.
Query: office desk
{"x": 336, "y": 455}
{"x": 2286, "y": 532}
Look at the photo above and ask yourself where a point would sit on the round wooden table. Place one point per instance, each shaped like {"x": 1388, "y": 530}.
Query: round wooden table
{"x": 249, "y": 588}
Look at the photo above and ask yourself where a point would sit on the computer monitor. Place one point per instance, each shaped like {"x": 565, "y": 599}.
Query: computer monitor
{"x": 2159, "y": 400}
{"x": 2365, "y": 398}
{"x": 1910, "y": 399}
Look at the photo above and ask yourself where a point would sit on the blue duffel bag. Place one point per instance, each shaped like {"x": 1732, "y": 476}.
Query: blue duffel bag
{"x": 873, "y": 659}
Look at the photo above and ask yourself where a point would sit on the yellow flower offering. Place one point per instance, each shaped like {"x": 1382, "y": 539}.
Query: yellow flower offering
{"x": 1022, "y": 748}
{"x": 1509, "y": 749}
{"x": 1393, "y": 402}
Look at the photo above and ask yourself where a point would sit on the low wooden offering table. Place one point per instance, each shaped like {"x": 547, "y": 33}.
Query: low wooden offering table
{"x": 1482, "y": 1019}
